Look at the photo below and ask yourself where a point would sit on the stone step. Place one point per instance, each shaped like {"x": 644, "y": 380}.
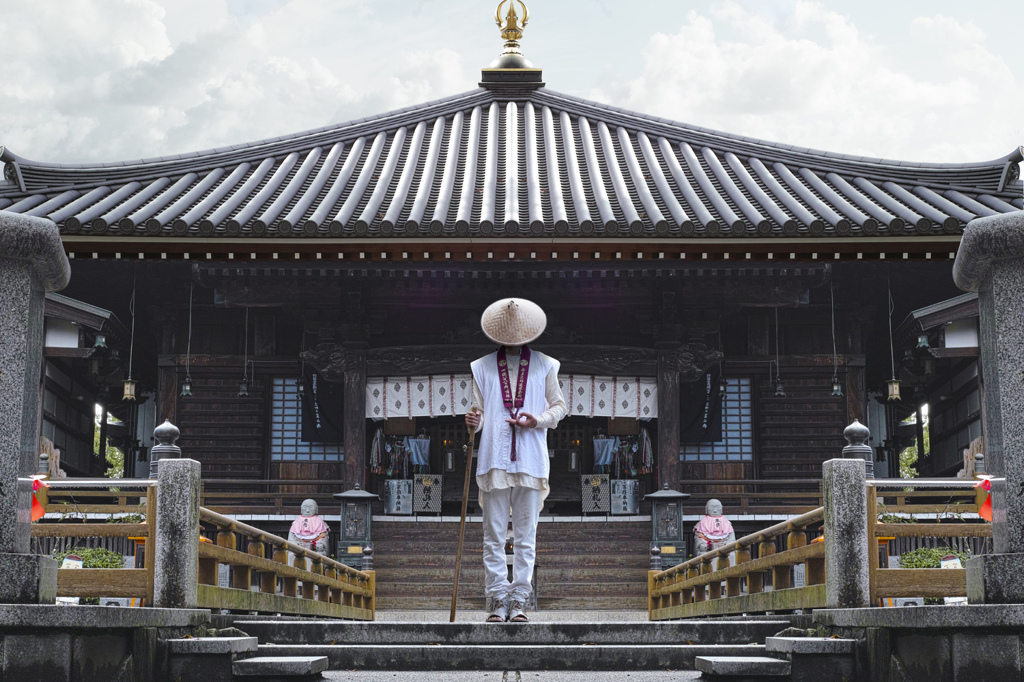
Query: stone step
{"x": 438, "y": 657}
{"x": 737, "y": 667}
{"x": 545, "y": 575}
{"x": 442, "y": 602}
{"x": 572, "y": 560}
{"x": 298, "y": 667}
{"x": 475, "y": 588}
{"x": 411, "y": 633}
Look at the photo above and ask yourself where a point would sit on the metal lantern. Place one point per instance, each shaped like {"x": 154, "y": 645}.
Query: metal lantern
{"x": 894, "y": 390}
{"x": 186, "y": 387}
{"x": 667, "y": 521}
{"x": 356, "y": 518}
{"x": 837, "y": 388}
{"x": 129, "y": 389}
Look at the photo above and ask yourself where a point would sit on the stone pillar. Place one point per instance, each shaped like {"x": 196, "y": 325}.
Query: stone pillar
{"x": 668, "y": 417}
{"x": 32, "y": 262}
{"x": 354, "y": 465}
{"x": 176, "y": 546}
{"x": 990, "y": 261}
{"x": 846, "y": 534}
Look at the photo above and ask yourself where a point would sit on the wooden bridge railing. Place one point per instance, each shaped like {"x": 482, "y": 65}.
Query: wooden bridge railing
{"x": 694, "y": 588}
{"x": 64, "y": 496}
{"x": 935, "y": 499}
{"x": 329, "y": 588}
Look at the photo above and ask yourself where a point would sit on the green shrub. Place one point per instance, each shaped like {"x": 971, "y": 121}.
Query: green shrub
{"x": 92, "y": 557}
{"x": 931, "y": 557}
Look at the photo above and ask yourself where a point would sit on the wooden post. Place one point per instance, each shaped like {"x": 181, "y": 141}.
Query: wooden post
{"x": 698, "y": 593}
{"x": 370, "y": 603}
{"x": 150, "y": 551}
{"x": 289, "y": 586}
{"x": 651, "y": 585}
{"x": 715, "y": 588}
{"x": 355, "y": 417}
{"x": 732, "y": 585}
{"x": 872, "y": 504}
{"x": 333, "y": 592}
{"x": 258, "y": 549}
{"x": 668, "y": 417}
{"x": 308, "y": 586}
{"x": 323, "y": 593}
{"x": 241, "y": 576}
{"x": 691, "y": 594}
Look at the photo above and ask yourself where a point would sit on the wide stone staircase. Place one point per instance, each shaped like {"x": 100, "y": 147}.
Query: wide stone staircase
{"x": 580, "y": 565}
{"x": 579, "y": 646}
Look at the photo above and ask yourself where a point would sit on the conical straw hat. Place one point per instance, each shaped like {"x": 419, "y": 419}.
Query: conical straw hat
{"x": 513, "y": 321}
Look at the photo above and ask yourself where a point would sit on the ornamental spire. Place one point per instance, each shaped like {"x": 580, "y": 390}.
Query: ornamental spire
{"x": 512, "y": 31}
{"x": 511, "y": 67}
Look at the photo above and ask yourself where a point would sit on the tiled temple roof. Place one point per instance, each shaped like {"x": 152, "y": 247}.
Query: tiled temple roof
{"x": 506, "y": 162}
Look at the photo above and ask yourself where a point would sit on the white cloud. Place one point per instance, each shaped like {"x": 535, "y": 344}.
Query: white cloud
{"x": 812, "y": 79}
{"x": 111, "y": 80}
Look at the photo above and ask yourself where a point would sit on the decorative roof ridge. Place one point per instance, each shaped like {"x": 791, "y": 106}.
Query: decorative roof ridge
{"x": 1017, "y": 155}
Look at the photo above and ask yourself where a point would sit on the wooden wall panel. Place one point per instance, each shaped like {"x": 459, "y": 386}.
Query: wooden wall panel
{"x": 225, "y": 432}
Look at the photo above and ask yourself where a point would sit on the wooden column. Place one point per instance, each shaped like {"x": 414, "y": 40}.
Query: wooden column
{"x": 354, "y": 465}
{"x": 668, "y": 418}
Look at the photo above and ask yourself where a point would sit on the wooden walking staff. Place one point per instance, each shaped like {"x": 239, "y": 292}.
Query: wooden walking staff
{"x": 462, "y": 521}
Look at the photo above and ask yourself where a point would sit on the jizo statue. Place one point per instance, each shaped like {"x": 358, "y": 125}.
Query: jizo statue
{"x": 713, "y": 530}
{"x": 309, "y": 530}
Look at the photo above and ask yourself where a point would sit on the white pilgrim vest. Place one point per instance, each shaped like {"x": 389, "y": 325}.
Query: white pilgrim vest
{"x": 494, "y": 449}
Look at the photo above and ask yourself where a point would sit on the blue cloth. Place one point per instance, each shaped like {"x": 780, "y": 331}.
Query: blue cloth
{"x": 419, "y": 451}
{"x": 604, "y": 449}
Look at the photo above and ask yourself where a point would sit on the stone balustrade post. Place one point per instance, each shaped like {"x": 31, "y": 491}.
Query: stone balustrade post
{"x": 846, "y": 532}
{"x": 32, "y": 263}
{"x": 990, "y": 261}
{"x": 176, "y": 572}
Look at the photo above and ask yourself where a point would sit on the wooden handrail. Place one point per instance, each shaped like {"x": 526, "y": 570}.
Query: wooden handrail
{"x": 226, "y": 523}
{"x": 792, "y": 524}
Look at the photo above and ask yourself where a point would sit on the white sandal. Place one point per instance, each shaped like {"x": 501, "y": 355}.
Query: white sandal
{"x": 515, "y": 612}
{"x": 498, "y": 611}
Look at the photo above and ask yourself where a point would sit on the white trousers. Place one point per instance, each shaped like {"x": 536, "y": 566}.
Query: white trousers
{"x": 523, "y": 506}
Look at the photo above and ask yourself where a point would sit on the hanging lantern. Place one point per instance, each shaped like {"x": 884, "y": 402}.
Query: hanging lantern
{"x": 101, "y": 341}
{"x": 922, "y": 342}
{"x": 300, "y": 385}
{"x": 243, "y": 388}
{"x": 186, "y": 387}
{"x": 837, "y": 388}
{"x": 780, "y": 390}
{"x": 894, "y": 390}
{"x": 129, "y": 389}
{"x": 723, "y": 385}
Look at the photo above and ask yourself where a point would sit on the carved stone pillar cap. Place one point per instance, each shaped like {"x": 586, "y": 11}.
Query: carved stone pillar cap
{"x": 856, "y": 433}
{"x": 166, "y": 434}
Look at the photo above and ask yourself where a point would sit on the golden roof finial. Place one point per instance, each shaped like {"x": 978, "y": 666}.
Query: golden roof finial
{"x": 512, "y": 32}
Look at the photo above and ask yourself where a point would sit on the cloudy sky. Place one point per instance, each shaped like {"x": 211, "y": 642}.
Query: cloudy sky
{"x": 106, "y": 80}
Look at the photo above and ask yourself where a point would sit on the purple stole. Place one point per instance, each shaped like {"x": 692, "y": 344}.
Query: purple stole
{"x": 513, "y": 405}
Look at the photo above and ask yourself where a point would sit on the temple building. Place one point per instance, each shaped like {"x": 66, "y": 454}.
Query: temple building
{"x": 305, "y": 308}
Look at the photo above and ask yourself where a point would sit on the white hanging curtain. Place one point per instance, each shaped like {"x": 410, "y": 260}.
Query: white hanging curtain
{"x": 440, "y": 395}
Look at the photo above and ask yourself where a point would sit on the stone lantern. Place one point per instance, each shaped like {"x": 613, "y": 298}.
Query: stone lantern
{"x": 667, "y": 522}
{"x": 355, "y": 547}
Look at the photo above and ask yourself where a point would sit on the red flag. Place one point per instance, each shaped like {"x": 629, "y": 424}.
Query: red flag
{"x": 985, "y": 509}
{"x": 38, "y": 511}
